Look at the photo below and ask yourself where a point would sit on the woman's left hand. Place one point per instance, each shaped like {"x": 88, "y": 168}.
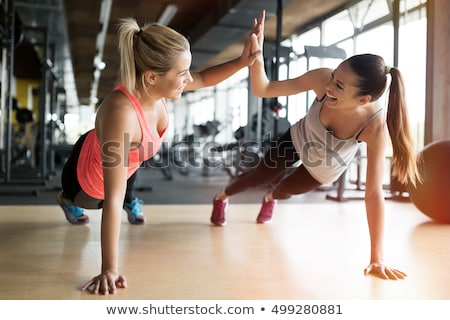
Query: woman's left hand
{"x": 381, "y": 271}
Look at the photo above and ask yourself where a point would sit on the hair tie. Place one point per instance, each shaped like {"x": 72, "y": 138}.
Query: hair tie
{"x": 139, "y": 32}
{"x": 388, "y": 69}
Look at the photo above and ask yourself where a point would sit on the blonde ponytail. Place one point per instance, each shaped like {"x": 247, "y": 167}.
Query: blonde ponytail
{"x": 153, "y": 47}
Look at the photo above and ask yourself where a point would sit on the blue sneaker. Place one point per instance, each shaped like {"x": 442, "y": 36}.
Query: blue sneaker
{"x": 74, "y": 214}
{"x": 134, "y": 211}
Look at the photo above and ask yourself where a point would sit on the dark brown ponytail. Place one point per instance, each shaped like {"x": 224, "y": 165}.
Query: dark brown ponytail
{"x": 404, "y": 159}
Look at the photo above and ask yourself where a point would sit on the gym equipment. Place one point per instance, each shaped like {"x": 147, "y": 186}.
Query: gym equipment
{"x": 432, "y": 196}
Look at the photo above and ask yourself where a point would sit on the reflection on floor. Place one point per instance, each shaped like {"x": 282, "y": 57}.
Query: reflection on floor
{"x": 309, "y": 251}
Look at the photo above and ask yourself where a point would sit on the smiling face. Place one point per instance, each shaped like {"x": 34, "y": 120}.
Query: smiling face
{"x": 341, "y": 91}
{"x": 171, "y": 84}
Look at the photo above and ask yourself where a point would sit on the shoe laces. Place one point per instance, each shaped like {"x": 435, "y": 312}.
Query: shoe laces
{"x": 76, "y": 211}
{"x": 220, "y": 205}
{"x": 135, "y": 206}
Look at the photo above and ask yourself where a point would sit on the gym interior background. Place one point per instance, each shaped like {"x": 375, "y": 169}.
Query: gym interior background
{"x": 59, "y": 59}
{"x": 55, "y": 70}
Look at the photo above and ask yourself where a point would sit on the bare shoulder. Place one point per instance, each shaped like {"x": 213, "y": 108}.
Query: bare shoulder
{"x": 319, "y": 78}
{"x": 324, "y": 73}
{"x": 115, "y": 113}
{"x": 375, "y": 133}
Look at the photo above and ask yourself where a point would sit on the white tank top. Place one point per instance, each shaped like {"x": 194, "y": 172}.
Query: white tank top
{"x": 323, "y": 155}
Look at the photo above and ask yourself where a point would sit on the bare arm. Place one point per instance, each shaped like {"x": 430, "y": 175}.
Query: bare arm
{"x": 312, "y": 80}
{"x": 215, "y": 74}
{"x": 261, "y": 86}
{"x": 376, "y": 139}
{"x": 374, "y": 199}
{"x": 115, "y": 142}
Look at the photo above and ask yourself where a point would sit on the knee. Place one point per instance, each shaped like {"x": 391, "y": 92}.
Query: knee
{"x": 280, "y": 194}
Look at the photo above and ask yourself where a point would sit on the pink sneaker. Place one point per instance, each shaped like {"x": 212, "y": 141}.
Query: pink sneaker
{"x": 265, "y": 214}
{"x": 218, "y": 212}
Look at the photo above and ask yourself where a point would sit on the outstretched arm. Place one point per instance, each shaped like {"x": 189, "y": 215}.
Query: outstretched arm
{"x": 261, "y": 86}
{"x": 115, "y": 142}
{"x": 215, "y": 74}
{"x": 374, "y": 201}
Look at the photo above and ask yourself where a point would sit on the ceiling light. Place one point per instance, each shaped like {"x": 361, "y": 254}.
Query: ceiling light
{"x": 169, "y": 12}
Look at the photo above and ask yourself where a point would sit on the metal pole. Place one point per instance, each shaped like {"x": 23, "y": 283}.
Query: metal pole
{"x": 275, "y": 74}
{"x": 277, "y": 58}
{"x": 52, "y": 111}
{"x": 396, "y": 22}
{"x": 42, "y": 168}
{"x": 10, "y": 73}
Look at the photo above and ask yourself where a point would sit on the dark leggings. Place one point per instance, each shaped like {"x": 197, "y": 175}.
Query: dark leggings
{"x": 275, "y": 170}
{"x": 71, "y": 186}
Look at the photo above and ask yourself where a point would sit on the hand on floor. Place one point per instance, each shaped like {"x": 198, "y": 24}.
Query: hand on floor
{"x": 105, "y": 283}
{"x": 381, "y": 271}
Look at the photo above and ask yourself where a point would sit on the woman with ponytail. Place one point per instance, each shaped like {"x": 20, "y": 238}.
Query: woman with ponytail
{"x": 346, "y": 112}
{"x": 129, "y": 127}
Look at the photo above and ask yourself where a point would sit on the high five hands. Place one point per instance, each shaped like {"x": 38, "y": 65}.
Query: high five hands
{"x": 253, "y": 45}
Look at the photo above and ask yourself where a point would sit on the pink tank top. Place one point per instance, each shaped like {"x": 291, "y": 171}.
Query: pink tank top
{"x": 89, "y": 168}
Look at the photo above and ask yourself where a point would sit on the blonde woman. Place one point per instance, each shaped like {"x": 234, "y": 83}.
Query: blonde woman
{"x": 130, "y": 124}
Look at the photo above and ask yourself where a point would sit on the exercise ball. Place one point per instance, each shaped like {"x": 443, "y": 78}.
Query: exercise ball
{"x": 432, "y": 196}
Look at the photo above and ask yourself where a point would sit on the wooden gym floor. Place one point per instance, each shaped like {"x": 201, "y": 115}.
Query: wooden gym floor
{"x": 309, "y": 251}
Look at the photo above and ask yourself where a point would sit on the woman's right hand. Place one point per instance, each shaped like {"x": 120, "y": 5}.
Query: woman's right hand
{"x": 258, "y": 27}
{"x": 249, "y": 53}
{"x": 105, "y": 283}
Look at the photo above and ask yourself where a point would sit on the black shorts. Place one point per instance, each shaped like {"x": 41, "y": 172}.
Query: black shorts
{"x": 69, "y": 180}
